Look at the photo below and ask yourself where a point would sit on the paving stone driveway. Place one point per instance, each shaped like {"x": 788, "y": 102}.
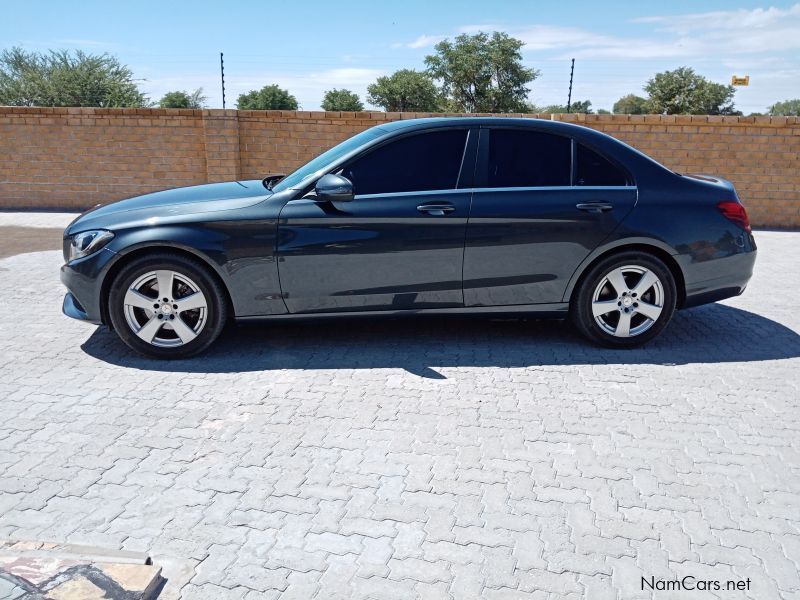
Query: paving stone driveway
{"x": 459, "y": 459}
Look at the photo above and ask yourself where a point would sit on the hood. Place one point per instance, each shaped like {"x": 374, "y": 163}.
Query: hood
{"x": 176, "y": 202}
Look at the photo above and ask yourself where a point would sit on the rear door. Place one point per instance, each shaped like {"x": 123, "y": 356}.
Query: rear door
{"x": 541, "y": 204}
{"x": 399, "y": 245}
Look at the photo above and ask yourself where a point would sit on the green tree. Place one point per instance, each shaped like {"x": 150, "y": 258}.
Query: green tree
{"x": 577, "y": 107}
{"x": 603, "y": 111}
{"x": 631, "y": 105}
{"x": 342, "y": 100}
{"x": 405, "y": 91}
{"x": 270, "y": 97}
{"x": 787, "y": 108}
{"x": 65, "y": 78}
{"x": 183, "y": 99}
{"x": 482, "y": 73}
{"x": 682, "y": 92}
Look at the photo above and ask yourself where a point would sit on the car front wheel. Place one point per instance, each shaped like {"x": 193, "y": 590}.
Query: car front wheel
{"x": 167, "y": 306}
{"x": 625, "y": 300}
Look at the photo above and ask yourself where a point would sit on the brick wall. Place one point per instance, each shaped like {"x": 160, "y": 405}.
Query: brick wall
{"x": 73, "y": 158}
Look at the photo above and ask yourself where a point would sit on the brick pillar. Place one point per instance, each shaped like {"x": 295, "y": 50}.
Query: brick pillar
{"x": 222, "y": 145}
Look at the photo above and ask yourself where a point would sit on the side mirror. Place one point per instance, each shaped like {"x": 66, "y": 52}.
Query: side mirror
{"x": 334, "y": 188}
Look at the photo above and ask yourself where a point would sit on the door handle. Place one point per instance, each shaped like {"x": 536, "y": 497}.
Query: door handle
{"x": 594, "y": 207}
{"x": 436, "y": 210}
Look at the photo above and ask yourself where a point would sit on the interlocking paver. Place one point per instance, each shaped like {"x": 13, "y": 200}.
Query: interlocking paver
{"x": 415, "y": 460}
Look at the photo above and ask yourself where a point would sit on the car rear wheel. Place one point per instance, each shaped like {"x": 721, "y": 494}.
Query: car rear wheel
{"x": 625, "y": 300}
{"x": 167, "y": 306}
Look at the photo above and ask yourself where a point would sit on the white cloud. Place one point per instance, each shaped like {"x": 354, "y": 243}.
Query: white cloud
{"x": 423, "y": 41}
{"x": 757, "y": 18}
{"x": 486, "y": 27}
{"x": 544, "y": 37}
{"x": 578, "y": 42}
{"x": 736, "y": 32}
{"x": 344, "y": 76}
{"x": 85, "y": 43}
{"x": 90, "y": 46}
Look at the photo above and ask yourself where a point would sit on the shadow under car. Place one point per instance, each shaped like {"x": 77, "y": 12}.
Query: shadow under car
{"x": 714, "y": 333}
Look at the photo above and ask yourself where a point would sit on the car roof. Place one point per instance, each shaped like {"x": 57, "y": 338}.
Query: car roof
{"x": 432, "y": 122}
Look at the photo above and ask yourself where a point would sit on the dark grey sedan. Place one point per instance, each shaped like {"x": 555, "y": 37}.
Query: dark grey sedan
{"x": 418, "y": 217}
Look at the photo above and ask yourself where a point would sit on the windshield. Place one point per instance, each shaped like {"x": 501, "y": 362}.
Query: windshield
{"x": 296, "y": 179}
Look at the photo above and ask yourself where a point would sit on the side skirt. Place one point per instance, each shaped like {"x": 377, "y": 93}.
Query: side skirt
{"x": 557, "y": 310}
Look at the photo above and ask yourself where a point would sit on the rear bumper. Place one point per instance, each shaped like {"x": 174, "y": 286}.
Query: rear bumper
{"x": 732, "y": 275}
{"x": 83, "y": 280}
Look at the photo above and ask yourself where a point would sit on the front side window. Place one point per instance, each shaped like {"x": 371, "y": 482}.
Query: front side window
{"x": 301, "y": 176}
{"x": 594, "y": 169}
{"x": 427, "y": 161}
{"x": 519, "y": 158}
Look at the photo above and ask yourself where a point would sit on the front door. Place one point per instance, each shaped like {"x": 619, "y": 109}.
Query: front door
{"x": 398, "y": 245}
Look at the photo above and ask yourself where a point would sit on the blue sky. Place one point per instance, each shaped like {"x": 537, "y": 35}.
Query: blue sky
{"x": 309, "y": 47}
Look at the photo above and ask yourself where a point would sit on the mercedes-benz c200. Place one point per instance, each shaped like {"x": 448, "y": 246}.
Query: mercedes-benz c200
{"x": 434, "y": 216}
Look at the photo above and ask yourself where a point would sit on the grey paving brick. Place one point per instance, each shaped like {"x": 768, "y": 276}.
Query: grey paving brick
{"x": 418, "y": 570}
{"x": 333, "y": 543}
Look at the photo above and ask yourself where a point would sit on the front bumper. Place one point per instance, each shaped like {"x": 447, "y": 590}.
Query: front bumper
{"x": 73, "y": 309}
{"x": 83, "y": 279}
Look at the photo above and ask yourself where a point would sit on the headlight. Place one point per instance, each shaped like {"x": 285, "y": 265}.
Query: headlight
{"x": 84, "y": 244}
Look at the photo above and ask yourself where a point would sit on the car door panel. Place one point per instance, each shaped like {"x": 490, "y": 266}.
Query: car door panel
{"x": 523, "y": 245}
{"x": 373, "y": 253}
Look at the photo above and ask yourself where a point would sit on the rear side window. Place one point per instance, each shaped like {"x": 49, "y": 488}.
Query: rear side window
{"x": 520, "y": 158}
{"x": 428, "y": 161}
{"x": 594, "y": 169}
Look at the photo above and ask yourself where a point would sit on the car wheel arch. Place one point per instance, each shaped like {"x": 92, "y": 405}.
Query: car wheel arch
{"x": 134, "y": 252}
{"x": 646, "y": 246}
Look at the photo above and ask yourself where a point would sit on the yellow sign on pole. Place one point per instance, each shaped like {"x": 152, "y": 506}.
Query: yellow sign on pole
{"x": 740, "y": 80}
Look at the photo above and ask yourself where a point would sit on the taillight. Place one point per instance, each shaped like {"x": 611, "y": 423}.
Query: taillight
{"x": 735, "y": 212}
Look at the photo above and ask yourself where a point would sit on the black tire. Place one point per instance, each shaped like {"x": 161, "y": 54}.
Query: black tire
{"x": 190, "y": 276}
{"x": 581, "y": 312}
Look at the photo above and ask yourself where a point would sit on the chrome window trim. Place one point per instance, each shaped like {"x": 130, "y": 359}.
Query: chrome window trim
{"x": 502, "y": 189}
{"x": 555, "y": 188}
{"x": 446, "y": 191}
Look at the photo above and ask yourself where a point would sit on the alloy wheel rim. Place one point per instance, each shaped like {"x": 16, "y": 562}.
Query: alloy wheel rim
{"x": 165, "y": 308}
{"x": 628, "y": 301}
